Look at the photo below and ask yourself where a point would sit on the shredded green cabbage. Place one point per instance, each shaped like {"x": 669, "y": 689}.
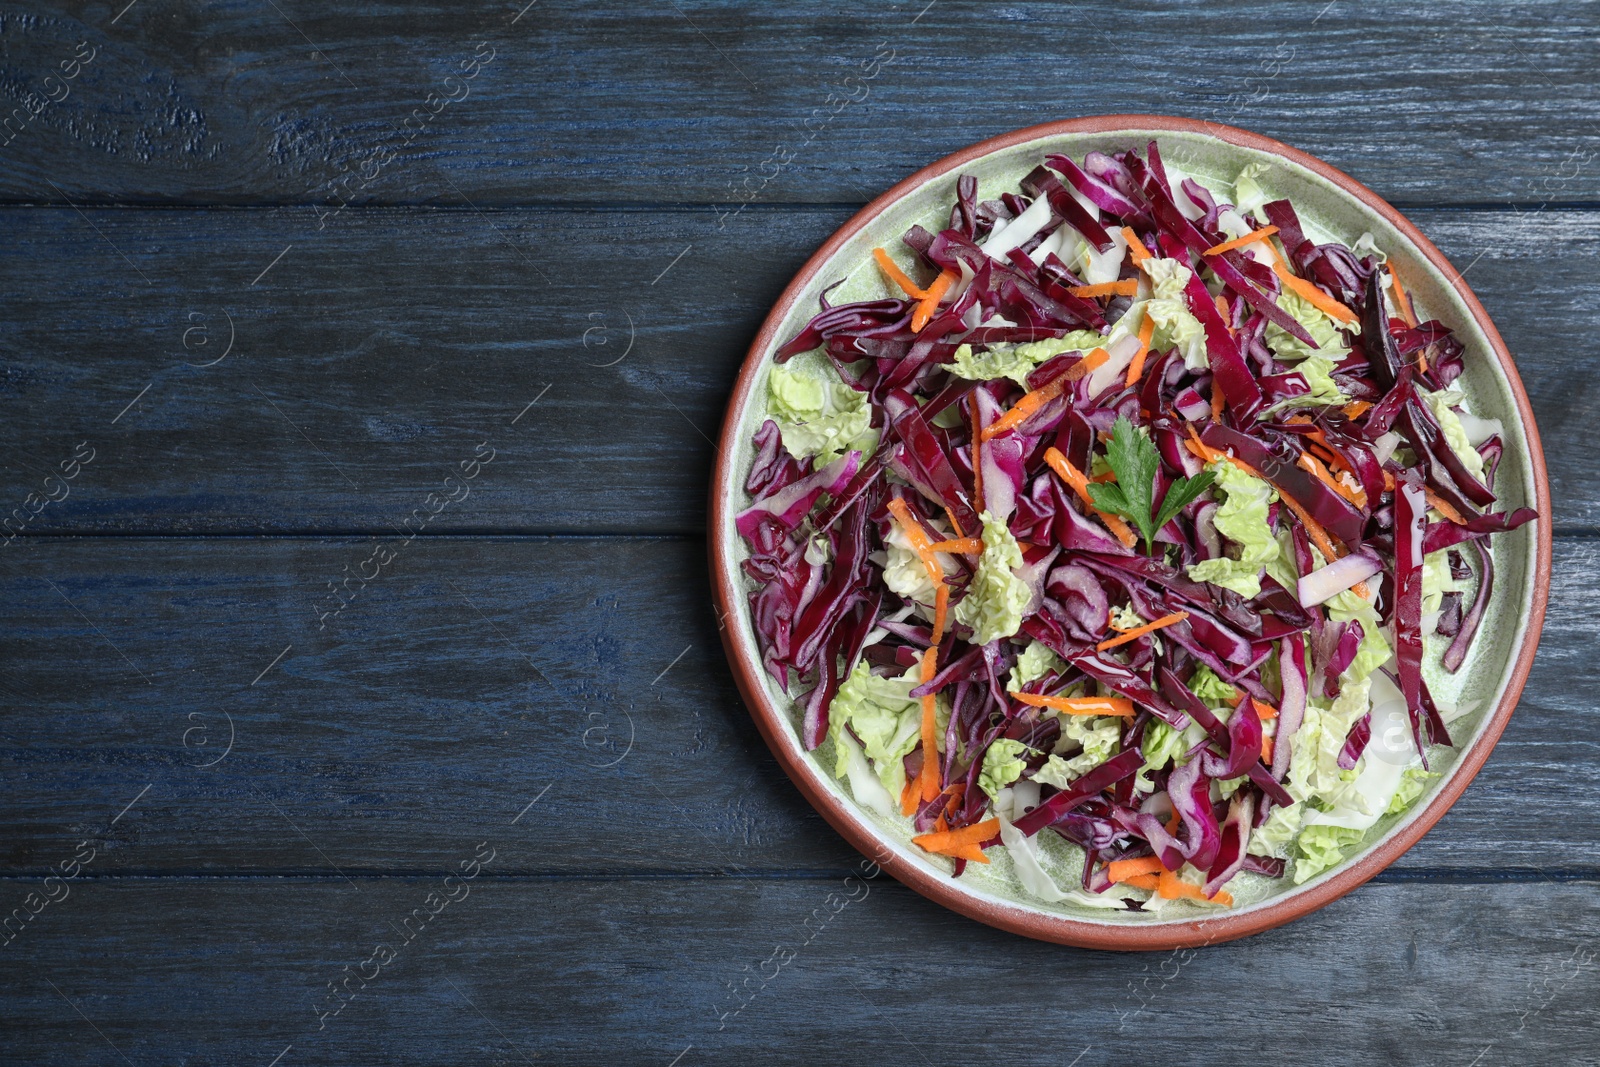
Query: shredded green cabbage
{"x": 1033, "y": 663}
{"x": 1003, "y": 762}
{"x": 1242, "y": 519}
{"x": 994, "y": 600}
{"x": 884, "y": 715}
{"x": 818, "y": 418}
{"x": 1018, "y": 361}
{"x": 1441, "y": 404}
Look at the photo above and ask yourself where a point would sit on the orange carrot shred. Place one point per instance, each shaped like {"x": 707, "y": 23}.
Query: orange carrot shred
{"x": 1239, "y": 242}
{"x": 1402, "y": 300}
{"x": 921, "y": 543}
{"x": 959, "y": 546}
{"x": 1025, "y": 408}
{"x": 1356, "y": 408}
{"x": 1266, "y": 711}
{"x": 1147, "y": 330}
{"x": 930, "y": 748}
{"x": 1222, "y": 309}
{"x": 1074, "y": 478}
{"x": 929, "y": 304}
{"x": 968, "y": 835}
{"x": 1122, "y": 870}
{"x": 1216, "y": 401}
{"x": 1125, "y": 287}
{"x": 1267, "y": 749}
{"x": 895, "y": 274}
{"x": 1312, "y": 295}
{"x": 1171, "y": 887}
{"x": 1174, "y": 822}
{"x": 1121, "y": 707}
{"x": 941, "y": 612}
{"x": 1142, "y": 881}
{"x": 955, "y": 525}
{"x": 1140, "y": 631}
{"x": 1314, "y": 530}
{"x": 1311, "y": 464}
{"x": 909, "y": 796}
{"x": 1443, "y": 507}
{"x": 1136, "y": 249}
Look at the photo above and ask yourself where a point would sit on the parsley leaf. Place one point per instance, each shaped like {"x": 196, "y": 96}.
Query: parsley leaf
{"x": 1135, "y": 461}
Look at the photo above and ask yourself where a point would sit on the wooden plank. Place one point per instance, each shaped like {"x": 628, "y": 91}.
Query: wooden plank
{"x": 609, "y": 101}
{"x": 475, "y": 674}
{"x": 371, "y": 359}
{"x": 520, "y": 972}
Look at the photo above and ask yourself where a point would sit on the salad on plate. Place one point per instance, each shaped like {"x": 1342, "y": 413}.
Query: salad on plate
{"x": 1121, "y": 529}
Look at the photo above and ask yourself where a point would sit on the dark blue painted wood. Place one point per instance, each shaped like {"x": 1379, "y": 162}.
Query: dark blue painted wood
{"x": 485, "y": 686}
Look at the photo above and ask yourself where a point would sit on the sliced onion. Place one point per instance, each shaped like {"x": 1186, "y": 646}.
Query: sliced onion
{"x": 1336, "y": 577}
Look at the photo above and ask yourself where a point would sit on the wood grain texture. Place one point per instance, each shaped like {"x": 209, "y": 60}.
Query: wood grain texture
{"x": 298, "y": 103}
{"x": 476, "y": 673}
{"x": 520, "y": 972}
{"x": 372, "y": 357}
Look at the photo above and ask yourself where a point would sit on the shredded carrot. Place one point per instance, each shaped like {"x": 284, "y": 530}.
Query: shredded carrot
{"x": 954, "y": 525}
{"x": 1266, "y": 711}
{"x": 1111, "y": 624}
{"x": 1267, "y": 748}
{"x": 1314, "y": 530}
{"x": 1222, "y": 309}
{"x": 1147, "y": 330}
{"x": 1240, "y": 242}
{"x": 895, "y": 274}
{"x": 956, "y": 791}
{"x": 1388, "y": 482}
{"x": 1174, "y": 822}
{"x": 941, "y": 612}
{"x": 970, "y": 853}
{"x": 1090, "y": 363}
{"x": 1140, "y": 631}
{"x": 958, "y": 546}
{"x": 910, "y": 794}
{"x": 930, "y": 748}
{"x": 1142, "y": 881}
{"x": 1136, "y": 249}
{"x": 1121, "y": 707}
{"x": 1312, "y": 295}
{"x": 1443, "y": 507}
{"x": 1402, "y": 300}
{"x": 967, "y": 835}
{"x": 1074, "y": 478}
{"x": 1025, "y": 408}
{"x": 1122, "y": 870}
{"x": 1125, "y": 287}
{"x": 929, "y": 304}
{"x": 920, "y": 542}
{"x": 1171, "y": 887}
{"x": 1310, "y": 463}
{"x": 1201, "y": 449}
{"x": 1356, "y": 408}
{"x": 1216, "y": 401}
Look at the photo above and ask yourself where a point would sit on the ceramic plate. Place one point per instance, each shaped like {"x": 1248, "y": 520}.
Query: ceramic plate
{"x": 1331, "y": 205}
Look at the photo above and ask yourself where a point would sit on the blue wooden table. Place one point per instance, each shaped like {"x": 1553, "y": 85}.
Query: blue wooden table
{"x": 362, "y": 700}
